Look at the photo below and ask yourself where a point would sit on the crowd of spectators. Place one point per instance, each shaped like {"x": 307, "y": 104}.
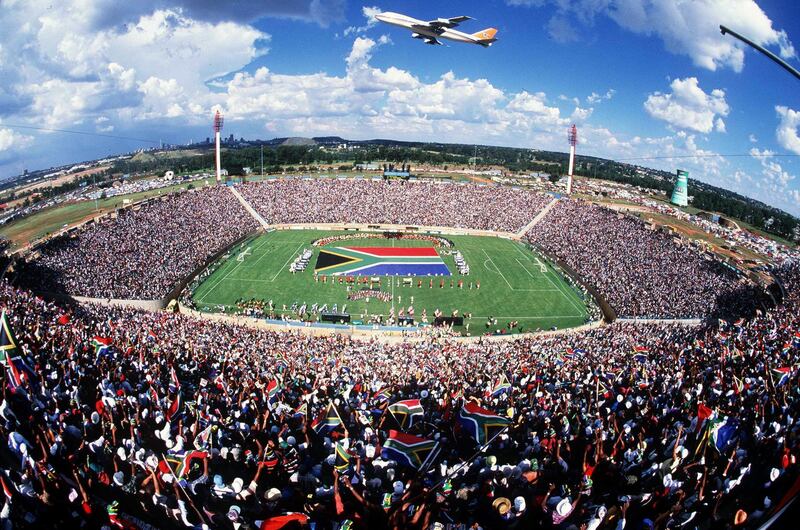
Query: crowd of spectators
{"x": 125, "y": 418}
{"x": 497, "y": 208}
{"x": 642, "y": 272}
{"x": 143, "y": 253}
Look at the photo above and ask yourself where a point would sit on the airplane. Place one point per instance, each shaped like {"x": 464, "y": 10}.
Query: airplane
{"x": 441, "y": 28}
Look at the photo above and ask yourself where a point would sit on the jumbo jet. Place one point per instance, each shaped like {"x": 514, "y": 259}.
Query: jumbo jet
{"x": 441, "y": 28}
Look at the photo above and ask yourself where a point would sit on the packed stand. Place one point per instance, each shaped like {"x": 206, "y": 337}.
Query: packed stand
{"x": 119, "y": 417}
{"x": 641, "y": 272}
{"x": 497, "y": 208}
{"x": 144, "y": 253}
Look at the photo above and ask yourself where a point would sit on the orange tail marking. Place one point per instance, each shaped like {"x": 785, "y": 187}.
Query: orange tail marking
{"x": 485, "y": 34}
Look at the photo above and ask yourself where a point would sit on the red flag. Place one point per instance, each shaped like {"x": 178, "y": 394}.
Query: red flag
{"x": 6, "y": 489}
{"x": 63, "y": 319}
{"x": 703, "y": 413}
{"x": 174, "y": 407}
{"x": 174, "y": 377}
{"x": 282, "y": 521}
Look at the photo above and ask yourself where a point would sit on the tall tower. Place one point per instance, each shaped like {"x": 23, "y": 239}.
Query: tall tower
{"x": 680, "y": 194}
{"x": 572, "y": 136}
{"x": 217, "y": 128}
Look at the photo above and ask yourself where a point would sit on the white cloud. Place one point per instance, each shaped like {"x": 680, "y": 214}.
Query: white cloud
{"x": 580, "y": 114}
{"x": 12, "y": 140}
{"x": 369, "y": 13}
{"x": 157, "y": 66}
{"x": 688, "y": 107}
{"x": 594, "y": 97}
{"x": 752, "y": 138}
{"x": 104, "y": 14}
{"x": 774, "y": 182}
{"x": 787, "y": 129}
{"x": 687, "y": 27}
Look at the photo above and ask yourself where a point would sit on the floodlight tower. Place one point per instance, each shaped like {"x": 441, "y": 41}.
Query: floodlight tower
{"x": 572, "y": 136}
{"x": 217, "y": 128}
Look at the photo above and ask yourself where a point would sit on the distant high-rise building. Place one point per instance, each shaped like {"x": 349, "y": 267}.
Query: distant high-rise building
{"x": 680, "y": 195}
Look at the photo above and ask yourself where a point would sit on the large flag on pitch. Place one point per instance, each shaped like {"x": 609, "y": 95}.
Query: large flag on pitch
{"x": 406, "y": 412}
{"x": 480, "y": 423}
{"x": 380, "y": 261}
{"x": 409, "y": 450}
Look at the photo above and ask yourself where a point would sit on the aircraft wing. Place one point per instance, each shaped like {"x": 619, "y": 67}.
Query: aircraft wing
{"x": 447, "y": 22}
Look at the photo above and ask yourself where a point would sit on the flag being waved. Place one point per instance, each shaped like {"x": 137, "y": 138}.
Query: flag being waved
{"x": 328, "y": 421}
{"x": 18, "y": 371}
{"x": 406, "y": 412}
{"x": 480, "y": 423}
{"x": 409, "y": 450}
{"x": 502, "y": 385}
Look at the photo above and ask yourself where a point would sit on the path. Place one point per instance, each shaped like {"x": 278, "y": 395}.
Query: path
{"x": 536, "y": 219}
{"x": 257, "y": 216}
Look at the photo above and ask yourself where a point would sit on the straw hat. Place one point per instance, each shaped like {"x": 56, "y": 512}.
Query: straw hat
{"x": 502, "y": 505}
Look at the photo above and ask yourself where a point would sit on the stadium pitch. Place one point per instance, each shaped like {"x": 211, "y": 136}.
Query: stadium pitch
{"x": 516, "y": 284}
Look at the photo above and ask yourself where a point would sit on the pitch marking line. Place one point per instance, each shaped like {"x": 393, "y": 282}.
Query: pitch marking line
{"x": 251, "y": 266}
{"x": 569, "y": 298}
{"x": 497, "y": 270}
{"x": 524, "y": 267}
{"x": 287, "y": 261}
{"x": 223, "y": 278}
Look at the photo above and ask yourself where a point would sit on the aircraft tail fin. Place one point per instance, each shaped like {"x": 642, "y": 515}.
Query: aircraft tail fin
{"x": 486, "y": 36}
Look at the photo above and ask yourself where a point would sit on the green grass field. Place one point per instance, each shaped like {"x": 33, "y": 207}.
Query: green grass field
{"x": 515, "y": 283}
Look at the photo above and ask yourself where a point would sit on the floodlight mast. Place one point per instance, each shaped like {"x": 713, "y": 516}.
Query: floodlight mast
{"x": 572, "y": 137}
{"x": 763, "y": 50}
{"x": 218, "y": 121}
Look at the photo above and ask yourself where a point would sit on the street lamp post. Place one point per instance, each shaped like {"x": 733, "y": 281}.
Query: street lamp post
{"x": 763, "y": 50}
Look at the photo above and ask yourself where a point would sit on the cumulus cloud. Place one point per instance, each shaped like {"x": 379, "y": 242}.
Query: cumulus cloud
{"x": 595, "y": 98}
{"x": 685, "y": 27}
{"x": 63, "y": 72}
{"x": 10, "y": 139}
{"x": 104, "y": 14}
{"x": 775, "y": 180}
{"x": 369, "y": 13}
{"x": 787, "y": 129}
{"x": 689, "y": 107}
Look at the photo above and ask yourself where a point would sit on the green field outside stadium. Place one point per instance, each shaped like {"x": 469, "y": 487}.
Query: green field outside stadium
{"x": 515, "y": 283}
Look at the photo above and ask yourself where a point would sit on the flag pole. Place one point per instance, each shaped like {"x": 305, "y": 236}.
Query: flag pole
{"x": 178, "y": 482}
{"x": 470, "y": 459}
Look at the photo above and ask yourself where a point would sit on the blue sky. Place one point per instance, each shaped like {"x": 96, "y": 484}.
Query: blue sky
{"x": 640, "y": 78}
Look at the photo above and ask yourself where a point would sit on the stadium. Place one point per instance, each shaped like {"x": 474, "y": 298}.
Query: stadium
{"x": 197, "y": 297}
{"x": 340, "y": 341}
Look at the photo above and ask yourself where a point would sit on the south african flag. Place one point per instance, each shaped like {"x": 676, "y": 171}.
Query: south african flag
{"x": 380, "y": 261}
{"x": 328, "y": 421}
{"x": 407, "y": 449}
{"x": 480, "y": 423}
{"x": 406, "y": 411}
